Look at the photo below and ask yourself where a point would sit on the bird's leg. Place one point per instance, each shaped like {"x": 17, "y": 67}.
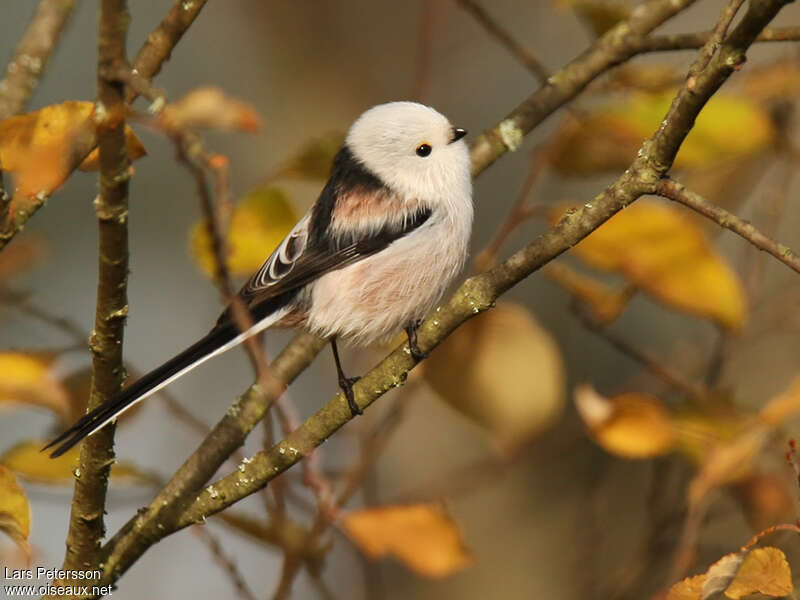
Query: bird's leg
{"x": 411, "y": 331}
{"x": 346, "y": 383}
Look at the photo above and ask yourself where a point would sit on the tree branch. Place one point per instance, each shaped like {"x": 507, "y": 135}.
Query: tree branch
{"x": 86, "y": 528}
{"x": 32, "y": 53}
{"x": 161, "y": 41}
{"x": 693, "y": 41}
{"x": 672, "y": 190}
{"x": 168, "y": 513}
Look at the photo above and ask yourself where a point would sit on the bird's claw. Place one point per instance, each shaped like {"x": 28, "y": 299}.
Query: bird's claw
{"x": 346, "y": 384}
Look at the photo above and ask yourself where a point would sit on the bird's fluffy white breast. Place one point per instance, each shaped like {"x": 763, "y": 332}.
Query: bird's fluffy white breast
{"x": 375, "y": 298}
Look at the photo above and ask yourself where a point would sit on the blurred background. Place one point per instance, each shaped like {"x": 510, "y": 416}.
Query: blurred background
{"x": 544, "y": 510}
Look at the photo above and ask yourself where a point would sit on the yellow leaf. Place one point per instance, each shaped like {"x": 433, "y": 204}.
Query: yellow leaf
{"x": 667, "y": 256}
{"x": 629, "y": 425}
{"x": 608, "y": 138}
{"x": 209, "y": 108}
{"x": 39, "y": 147}
{"x": 604, "y": 303}
{"x": 28, "y": 461}
{"x": 259, "y": 223}
{"x": 503, "y": 371}
{"x": 423, "y": 536}
{"x": 690, "y": 588}
{"x": 29, "y": 379}
{"x": 764, "y": 570}
{"x": 15, "y": 513}
{"x": 314, "y": 159}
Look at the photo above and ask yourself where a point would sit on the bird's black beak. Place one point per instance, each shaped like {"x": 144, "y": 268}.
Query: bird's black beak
{"x": 458, "y": 133}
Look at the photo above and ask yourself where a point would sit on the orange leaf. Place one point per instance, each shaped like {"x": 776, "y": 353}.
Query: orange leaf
{"x": 629, "y": 425}
{"x": 423, "y": 536}
{"x": 667, "y": 256}
{"x": 15, "y": 513}
{"x": 690, "y": 588}
{"x": 209, "y": 108}
{"x": 40, "y": 147}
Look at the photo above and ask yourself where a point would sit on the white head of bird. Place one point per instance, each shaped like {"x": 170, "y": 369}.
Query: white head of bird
{"x": 414, "y": 150}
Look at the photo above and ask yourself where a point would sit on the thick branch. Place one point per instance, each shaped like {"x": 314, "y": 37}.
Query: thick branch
{"x": 474, "y": 296}
{"x": 86, "y": 528}
{"x": 671, "y": 189}
{"x": 32, "y": 53}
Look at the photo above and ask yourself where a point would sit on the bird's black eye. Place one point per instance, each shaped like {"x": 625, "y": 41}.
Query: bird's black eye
{"x": 424, "y": 150}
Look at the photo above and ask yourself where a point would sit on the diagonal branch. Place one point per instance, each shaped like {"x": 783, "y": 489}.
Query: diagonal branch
{"x": 161, "y": 41}
{"x": 32, "y": 53}
{"x": 166, "y": 514}
{"x": 672, "y": 190}
{"x": 86, "y": 528}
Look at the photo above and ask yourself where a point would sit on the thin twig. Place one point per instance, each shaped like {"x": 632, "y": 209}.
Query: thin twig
{"x": 519, "y": 212}
{"x": 693, "y": 41}
{"x": 493, "y": 28}
{"x": 672, "y": 190}
{"x": 227, "y": 564}
{"x": 712, "y": 45}
{"x": 693, "y": 391}
{"x": 32, "y": 54}
{"x": 163, "y": 39}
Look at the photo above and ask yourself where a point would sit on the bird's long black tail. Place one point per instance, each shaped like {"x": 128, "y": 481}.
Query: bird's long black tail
{"x": 217, "y": 341}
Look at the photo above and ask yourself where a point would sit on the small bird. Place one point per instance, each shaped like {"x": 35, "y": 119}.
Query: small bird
{"x": 372, "y": 256}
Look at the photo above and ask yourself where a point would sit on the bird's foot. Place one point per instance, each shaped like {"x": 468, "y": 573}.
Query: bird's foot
{"x": 346, "y": 384}
{"x": 416, "y": 353}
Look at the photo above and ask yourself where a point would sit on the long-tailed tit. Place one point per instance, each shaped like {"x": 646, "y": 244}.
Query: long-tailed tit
{"x": 372, "y": 256}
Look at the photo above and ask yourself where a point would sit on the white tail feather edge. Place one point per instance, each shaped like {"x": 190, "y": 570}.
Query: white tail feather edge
{"x": 255, "y": 329}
